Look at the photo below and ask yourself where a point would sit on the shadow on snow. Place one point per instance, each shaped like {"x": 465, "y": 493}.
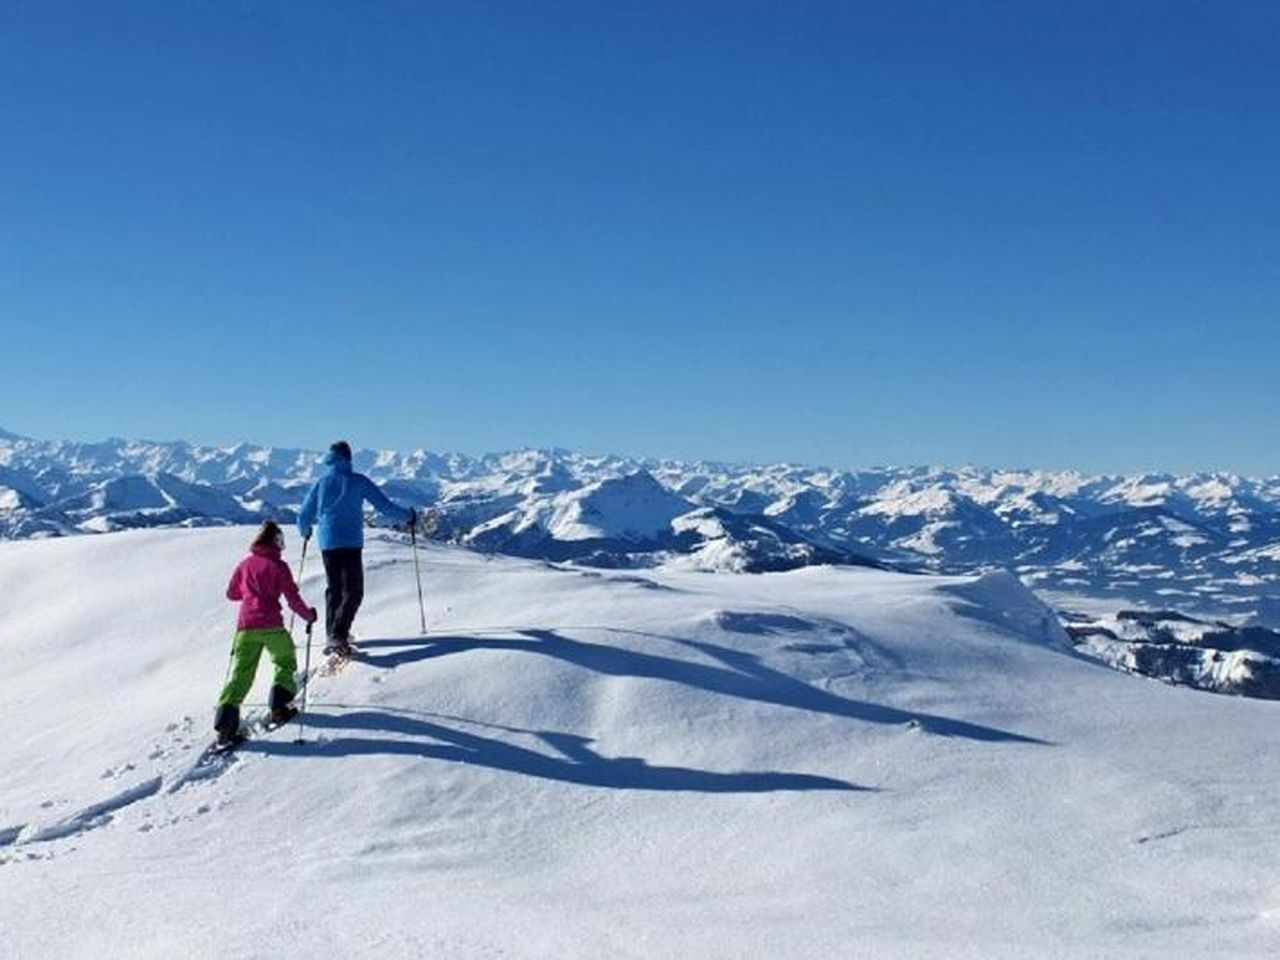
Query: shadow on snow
{"x": 736, "y": 674}
{"x": 576, "y": 762}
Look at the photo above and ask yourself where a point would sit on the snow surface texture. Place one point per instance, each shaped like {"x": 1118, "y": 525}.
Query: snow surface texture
{"x": 829, "y": 762}
{"x": 1205, "y": 544}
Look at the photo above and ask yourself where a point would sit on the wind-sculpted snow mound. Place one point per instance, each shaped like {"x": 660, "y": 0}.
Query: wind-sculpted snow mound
{"x": 1005, "y": 601}
{"x": 666, "y": 764}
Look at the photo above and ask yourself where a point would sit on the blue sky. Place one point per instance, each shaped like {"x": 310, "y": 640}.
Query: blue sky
{"x": 1011, "y": 234}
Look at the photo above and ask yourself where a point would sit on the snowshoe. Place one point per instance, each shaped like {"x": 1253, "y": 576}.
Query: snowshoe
{"x": 222, "y": 746}
{"x": 280, "y": 716}
{"x": 338, "y": 648}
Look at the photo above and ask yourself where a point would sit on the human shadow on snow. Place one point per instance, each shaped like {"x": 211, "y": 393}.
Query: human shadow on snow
{"x": 576, "y": 763}
{"x": 735, "y": 674}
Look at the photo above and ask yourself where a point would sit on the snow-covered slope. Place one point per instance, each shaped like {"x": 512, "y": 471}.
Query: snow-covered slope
{"x": 828, "y": 762}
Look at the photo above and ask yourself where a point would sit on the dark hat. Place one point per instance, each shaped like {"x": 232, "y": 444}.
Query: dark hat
{"x": 341, "y": 449}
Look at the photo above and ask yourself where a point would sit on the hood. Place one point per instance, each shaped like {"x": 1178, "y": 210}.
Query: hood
{"x": 270, "y": 552}
{"x": 336, "y": 463}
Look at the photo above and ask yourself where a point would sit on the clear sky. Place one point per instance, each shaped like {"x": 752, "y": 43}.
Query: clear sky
{"x": 1004, "y": 233}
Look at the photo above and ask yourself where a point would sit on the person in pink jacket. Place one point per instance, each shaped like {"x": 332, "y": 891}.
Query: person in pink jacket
{"x": 258, "y": 583}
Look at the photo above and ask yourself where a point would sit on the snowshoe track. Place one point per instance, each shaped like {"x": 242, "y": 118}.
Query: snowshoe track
{"x": 181, "y": 771}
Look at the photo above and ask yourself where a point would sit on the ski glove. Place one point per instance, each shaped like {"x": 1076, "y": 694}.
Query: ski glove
{"x": 315, "y": 615}
{"x": 305, "y": 531}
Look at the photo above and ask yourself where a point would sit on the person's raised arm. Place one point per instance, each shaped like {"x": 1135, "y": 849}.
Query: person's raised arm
{"x": 383, "y": 504}
{"x": 290, "y": 590}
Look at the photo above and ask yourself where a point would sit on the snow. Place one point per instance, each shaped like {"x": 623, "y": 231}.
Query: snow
{"x": 901, "y": 501}
{"x": 703, "y": 522}
{"x": 926, "y": 540}
{"x": 830, "y": 762}
{"x": 1213, "y": 491}
{"x": 634, "y": 507}
{"x": 1271, "y": 552}
{"x": 1143, "y": 491}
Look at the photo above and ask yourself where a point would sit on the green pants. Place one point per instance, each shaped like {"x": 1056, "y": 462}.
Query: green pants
{"x": 246, "y": 653}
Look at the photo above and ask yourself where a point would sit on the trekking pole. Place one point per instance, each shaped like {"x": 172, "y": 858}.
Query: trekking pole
{"x": 306, "y": 682}
{"x": 413, "y": 538}
{"x": 301, "y": 564}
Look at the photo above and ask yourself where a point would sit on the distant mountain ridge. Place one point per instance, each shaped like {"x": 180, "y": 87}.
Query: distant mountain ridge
{"x": 1204, "y": 542}
{"x": 1183, "y": 650}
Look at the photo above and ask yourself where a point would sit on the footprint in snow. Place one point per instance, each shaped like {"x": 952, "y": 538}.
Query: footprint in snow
{"x": 97, "y": 814}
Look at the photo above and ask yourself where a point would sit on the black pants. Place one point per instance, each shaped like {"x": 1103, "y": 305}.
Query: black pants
{"x": 344, "y": 570}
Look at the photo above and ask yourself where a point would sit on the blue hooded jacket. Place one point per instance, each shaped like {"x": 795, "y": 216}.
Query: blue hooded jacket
{"x": 337, "y": 501}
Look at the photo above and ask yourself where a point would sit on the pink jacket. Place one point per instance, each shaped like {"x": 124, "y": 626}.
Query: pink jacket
{"x": 257, "y": 583}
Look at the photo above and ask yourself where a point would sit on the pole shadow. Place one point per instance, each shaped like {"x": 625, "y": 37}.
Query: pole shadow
{"x": 577, "y": 761}
{"x": 735, "y": 674}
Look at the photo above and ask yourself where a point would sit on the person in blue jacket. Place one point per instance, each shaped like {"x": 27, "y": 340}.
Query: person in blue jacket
{"x": 335, "y": 507}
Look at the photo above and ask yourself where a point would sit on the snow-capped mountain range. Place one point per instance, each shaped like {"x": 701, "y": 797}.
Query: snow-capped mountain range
{"x": 1204, "y": 543}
